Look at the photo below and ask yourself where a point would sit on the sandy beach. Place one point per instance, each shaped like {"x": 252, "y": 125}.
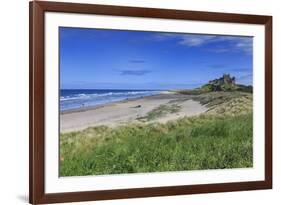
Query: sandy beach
{"x": 130, "y": 111}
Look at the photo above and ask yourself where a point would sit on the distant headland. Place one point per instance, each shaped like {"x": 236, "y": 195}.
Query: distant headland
{"x": 225, "y": 83}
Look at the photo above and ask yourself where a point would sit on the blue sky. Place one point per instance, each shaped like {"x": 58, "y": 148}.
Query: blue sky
{"x": 115, "y": 59}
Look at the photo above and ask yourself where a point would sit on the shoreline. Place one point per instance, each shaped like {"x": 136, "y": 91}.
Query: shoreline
{"x": 135, "y": 110}
{"x": 94, "y": 107}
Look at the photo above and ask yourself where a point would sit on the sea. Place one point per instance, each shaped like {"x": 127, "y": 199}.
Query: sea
{"x": 71, "y": 99}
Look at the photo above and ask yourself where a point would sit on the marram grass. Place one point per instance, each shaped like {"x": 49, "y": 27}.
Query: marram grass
{"x": 196, "y": 143}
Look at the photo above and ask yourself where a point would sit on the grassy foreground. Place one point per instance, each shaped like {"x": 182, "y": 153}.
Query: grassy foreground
{"x": 196, "y": 143}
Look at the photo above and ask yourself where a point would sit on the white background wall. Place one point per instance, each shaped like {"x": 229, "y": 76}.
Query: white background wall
{"x": 14, "y": 100}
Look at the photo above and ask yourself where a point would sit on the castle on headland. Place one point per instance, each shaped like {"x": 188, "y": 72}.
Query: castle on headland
{"x": 225, "y": 83}
{"x": 225, "y": 79}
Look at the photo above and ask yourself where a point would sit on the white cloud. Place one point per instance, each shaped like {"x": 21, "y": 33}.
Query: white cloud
{"x": 231, "y": 43}
{"x": 195, "y": 40}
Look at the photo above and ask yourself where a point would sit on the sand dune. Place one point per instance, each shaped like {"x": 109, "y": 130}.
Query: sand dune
{"x": 128, "y": 111}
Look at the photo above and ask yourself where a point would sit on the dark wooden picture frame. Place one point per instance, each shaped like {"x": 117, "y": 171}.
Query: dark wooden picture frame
{"x": 37, "y": 193}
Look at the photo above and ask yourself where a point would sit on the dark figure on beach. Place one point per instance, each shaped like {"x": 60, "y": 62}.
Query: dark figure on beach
{"x": 138, "y": 106}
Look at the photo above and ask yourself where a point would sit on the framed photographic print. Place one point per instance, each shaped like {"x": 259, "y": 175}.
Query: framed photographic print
{"x": 139, "y": 102}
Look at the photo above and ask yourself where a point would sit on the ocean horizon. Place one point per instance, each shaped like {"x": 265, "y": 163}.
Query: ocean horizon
{"x": 71, "y": 99}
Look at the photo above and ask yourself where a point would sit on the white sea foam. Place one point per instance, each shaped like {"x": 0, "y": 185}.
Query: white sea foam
{"x": 77, "y": 100}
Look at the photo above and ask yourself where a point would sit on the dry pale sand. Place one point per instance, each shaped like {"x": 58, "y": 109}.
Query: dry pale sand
{"x": 128, "y": 111}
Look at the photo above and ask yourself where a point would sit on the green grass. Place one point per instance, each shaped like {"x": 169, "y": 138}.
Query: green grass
{"x": 196, "y": 91}
{"x": 160, "y": 111}
{"x": 226, "y": 103}
{"x": 197, "y": 143}
{"x": 209, "y": 88}
{"x": 217, "y": 98}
